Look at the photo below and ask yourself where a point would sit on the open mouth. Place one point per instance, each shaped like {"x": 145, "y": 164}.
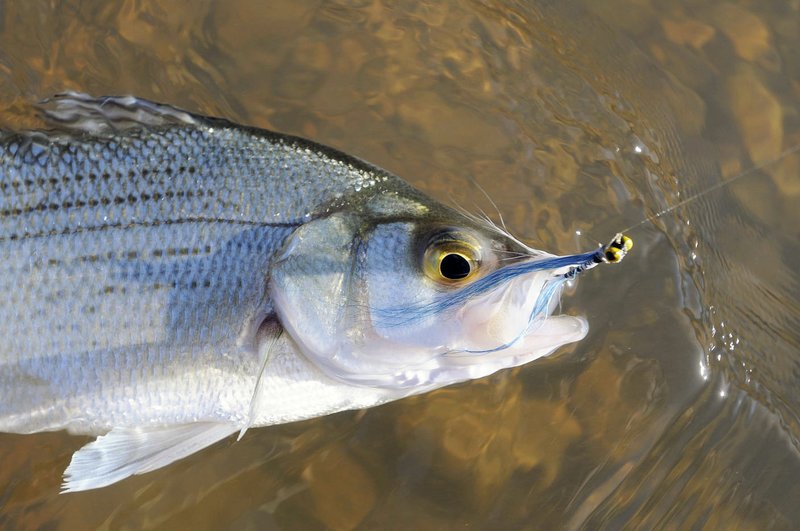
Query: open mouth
{"x": 517, "y": 317}
{"x": 510, "y": 312}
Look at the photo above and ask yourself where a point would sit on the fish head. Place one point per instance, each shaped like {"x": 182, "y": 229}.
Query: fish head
{"x": 415, "y": 298}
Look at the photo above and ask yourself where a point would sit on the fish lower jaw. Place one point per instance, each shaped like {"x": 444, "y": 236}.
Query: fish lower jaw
{"x": 541, "y": 339}
{"x": 457, "y": 366}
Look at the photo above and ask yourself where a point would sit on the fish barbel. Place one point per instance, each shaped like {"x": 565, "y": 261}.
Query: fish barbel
{"x": 170, "y": 279}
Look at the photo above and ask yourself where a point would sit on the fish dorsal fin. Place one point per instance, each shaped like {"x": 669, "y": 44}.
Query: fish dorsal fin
{"x": 76, "y": 112}
{"x": 124, "y": 452}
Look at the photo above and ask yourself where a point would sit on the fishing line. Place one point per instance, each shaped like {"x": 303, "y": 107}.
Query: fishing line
{"x": 721, "y": 184}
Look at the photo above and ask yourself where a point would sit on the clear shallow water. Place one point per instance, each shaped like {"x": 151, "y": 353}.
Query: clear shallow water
{"x": 679, "y": 410}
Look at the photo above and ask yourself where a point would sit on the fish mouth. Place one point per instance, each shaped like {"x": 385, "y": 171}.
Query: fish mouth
{"x": 507, "y": 317}
{"x": 515, "y": 321}
{"x": 502, "y": 320}
{"x": 505, "y": 327}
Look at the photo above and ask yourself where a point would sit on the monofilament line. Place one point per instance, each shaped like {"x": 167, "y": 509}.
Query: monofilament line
{"x": 717, "y": 186}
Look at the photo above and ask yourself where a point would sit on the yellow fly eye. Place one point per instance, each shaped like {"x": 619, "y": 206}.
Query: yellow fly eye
{"x": 618, "y": 248}
{"x": 451, "y": 262}
{"x": 614, "y": 254}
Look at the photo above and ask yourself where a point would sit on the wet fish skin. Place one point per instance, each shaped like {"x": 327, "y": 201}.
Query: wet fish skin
{"x": 176, "y": 224}
{"x": 169, "y": 279}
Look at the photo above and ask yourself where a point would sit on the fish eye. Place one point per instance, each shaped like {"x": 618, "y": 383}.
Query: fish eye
{"x": 451, "y": 260}
{"x": 455, "y": 266}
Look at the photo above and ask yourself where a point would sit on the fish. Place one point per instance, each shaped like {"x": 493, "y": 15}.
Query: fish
{"x": 169, "y": 280}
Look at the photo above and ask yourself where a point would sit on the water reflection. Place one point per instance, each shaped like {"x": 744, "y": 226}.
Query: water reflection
{"x": 679, "y": 409}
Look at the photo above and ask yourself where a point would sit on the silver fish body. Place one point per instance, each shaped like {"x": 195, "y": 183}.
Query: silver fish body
{"x": 135, "y": 259}
{"x": 169, "y": 279}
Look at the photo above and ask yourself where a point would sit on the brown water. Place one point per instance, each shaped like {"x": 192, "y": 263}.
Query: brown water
{"x": 682, "y": 407}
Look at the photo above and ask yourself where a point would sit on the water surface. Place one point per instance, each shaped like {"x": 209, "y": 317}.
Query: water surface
{"x": 681, "y": 408}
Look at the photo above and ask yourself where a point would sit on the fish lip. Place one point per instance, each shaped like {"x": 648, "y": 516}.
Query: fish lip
{"x": 521, "y": 347}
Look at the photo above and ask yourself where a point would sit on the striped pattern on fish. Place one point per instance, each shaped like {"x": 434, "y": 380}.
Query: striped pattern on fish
{"x": 169, "y": 223}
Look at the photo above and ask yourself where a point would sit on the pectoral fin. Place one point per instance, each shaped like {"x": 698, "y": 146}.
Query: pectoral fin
{"x": 124, "y": 452}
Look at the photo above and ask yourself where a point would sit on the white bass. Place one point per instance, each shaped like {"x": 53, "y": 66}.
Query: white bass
{"x": 169, "y": 280}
